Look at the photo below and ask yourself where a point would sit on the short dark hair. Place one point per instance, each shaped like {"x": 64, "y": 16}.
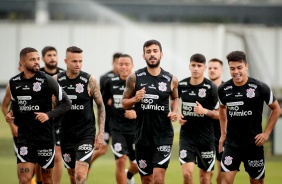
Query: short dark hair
{"x": 74, "y": 49}
{"x": 116, "y": 55}
{"x": 152, "y": 42}
{"x": 237, "y": 56}
{"x": 216, "y": 60}
{"x": 126, "y": 56}
{"x": 26, "y": 50}
{"x": 46, "y": 49}
{"x": 199, "y": 58}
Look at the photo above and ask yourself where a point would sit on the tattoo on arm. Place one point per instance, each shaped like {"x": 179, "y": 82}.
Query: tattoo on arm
{"x": 174, "y": 94}
{"x": 94, "y": 90}
{"x": 130, "y": 86}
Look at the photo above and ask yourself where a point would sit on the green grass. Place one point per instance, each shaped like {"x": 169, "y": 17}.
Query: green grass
{"x": 102, "y": 171}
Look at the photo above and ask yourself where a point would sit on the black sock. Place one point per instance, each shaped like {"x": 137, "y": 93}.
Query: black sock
{"x": 129, "y": 175}
{"x": 39, "y": 182}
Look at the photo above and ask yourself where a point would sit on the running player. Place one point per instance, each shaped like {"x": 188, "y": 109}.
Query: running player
{"x": 149, "y": 89}
{"x": 215, "y": 70}
{"x": 199, "y": 105}
{"x": 242, "y": 99}
{"x": 103, "y": 149}
{"x": 78, "y": 125}
{"x": 123, "y": 122}
{"x": 31, "y": 109}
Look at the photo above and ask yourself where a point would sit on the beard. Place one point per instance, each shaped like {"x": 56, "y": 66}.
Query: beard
{"x": 155, "y": 65}
{"x": 51, "y": 66}
{"x": 33, "y": 69}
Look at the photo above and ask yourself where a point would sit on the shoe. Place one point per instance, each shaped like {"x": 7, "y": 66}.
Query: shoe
{"x": 130, "y": 181}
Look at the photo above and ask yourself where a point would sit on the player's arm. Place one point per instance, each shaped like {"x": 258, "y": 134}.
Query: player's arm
{"x": 107, "y": 94}
{"x": 55, "y": 101}
{"x": 173, "y": 114}
{"x": 130, "y": 96}
{"x": 95, "y": 92}
{"x": 5, "y": 106}
{"x": 274, "y": 115}
{"x": 223, "y": 126}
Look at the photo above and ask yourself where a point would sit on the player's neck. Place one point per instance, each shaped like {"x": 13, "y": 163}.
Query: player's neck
{"x": 27, "y": 74}
{"x": 154, "y": 71}
{"x": 196, "y": 81}
{"x": 217, "y": 81}
{"x": 71, "y": 75}
{"x": 50, "y": 71}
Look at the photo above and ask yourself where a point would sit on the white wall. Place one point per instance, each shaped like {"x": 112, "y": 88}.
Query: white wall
{"x": 179, "y": 42}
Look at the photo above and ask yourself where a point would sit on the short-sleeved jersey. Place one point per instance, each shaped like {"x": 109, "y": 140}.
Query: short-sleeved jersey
{"x": 79, "y": 122}
{"x": 199, "y": 128}
{"x": 114, "y": 88}
{"x": 59, "y": 70}
{"x": 244, "y": 106}
{"x": 29, "y": 96}
{"x": 153, "y": 125}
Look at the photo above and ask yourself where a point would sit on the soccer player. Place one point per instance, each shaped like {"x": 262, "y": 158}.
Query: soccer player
{"x": 123, "y": 122}
{"x": 149, "y": 90}
{"x": 78, "y": 125}
{"x": 198, "y": 108}
{"x": 215, "y": 71}
{"x": 31, "y": 109}
{"x": 50, "y": 59}
{"x": 103, "y": 149}
{"x": 241, "y": 105}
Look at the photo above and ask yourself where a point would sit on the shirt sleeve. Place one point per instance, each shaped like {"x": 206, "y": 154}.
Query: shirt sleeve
{"x": 268, "y": 96}
{"x": 214, "y": 95}
{"x": 64, "y": 101}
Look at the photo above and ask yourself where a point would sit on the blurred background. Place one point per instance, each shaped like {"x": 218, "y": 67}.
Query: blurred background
{"x": 184, "y": 27}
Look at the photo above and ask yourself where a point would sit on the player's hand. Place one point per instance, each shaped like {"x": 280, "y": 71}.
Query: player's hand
{"x": 221, "y": 143}
{"x": 10, "y": 117}
{"x": 181, "y": 119}
{"x": 261, "y": 138}
{"x": 173, "y": 116}
{"x": 41, "y": 116}
{"x": 140, "y": 94}
{"x": 130, "y": 114}
{"x": 198, "y": 109}
{"x": 99, "y": 140}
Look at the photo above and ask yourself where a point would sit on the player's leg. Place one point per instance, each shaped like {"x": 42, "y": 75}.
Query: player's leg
{"x": 38, "y": 175}
{"x": 230, "y": 164}
{"x": 69, "y": 160}
{"x": 160, "y": 161}
{"x": 45, "y": 159}
{"x": 58, "y": 165}
{"x": 25, "y": 172}
{"x": 132, "y": 169}
{"x": 255, "y": 164}
{"x": 187, "y": 158}
{"x": 144, "y": 155}
{"x": 206, "y": 161}
{"x": 102, "y": 150}
{"x": 83, "y": 154}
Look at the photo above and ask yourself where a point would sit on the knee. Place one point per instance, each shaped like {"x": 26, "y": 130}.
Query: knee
{"x": 158, "y": 180}
{"x": 187, "y": 175}
{"x": 146, "y": 179}
{"x": 79, "y": 177}
{"x": 121, "y": 162}
{"x": 25, "y": 179}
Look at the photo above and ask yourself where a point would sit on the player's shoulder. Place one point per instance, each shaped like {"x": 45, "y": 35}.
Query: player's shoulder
{"x": 60, "y": 70}
{"x": 184, "y": 82}
{"x": 140, "y": 72}
{"x": 208, "y": 84}
{"x": 228, "y": 85}
{"x": 17, "y": 77}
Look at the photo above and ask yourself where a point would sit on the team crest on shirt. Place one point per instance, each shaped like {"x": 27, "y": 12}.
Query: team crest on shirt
{"x": 23, "y": 151}
{"x": 117, "y": 147}
{"x": 228, "y": 160}
{"x": 183, "y": 153}
{"x": 79, "y": 88}
{"x": 202, "y": 93}
{"x": 162, "y": 86}
{"x": 142, "y": 164}
{"x": 36, "y": 86}
{"x": 250, "y": 93}
{"x": 67, "y": 157}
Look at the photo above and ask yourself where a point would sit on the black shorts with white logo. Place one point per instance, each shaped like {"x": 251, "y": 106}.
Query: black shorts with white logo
{"x": 81, "y": 151}
{"x": 123, "y": 144}
{"x": 150, "y": 157}
{"x": 43, "y": 154}
{"x": 203, "y": 154}
{"x": 252, "y": 157}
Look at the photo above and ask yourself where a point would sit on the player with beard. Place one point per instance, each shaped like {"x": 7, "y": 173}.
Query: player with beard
{"x": 242, "y": 100}
{"x": 123, "y": 123}
{"x": 215, "y": 71}
{"x": 150, "y": 90}
{"x": 50, "y": 59}
{"x": 31, "y": 109}
{"x": 78, "y": 125}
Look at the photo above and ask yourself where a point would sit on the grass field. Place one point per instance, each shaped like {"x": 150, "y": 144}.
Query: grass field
{"x": 102, "y": 171}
